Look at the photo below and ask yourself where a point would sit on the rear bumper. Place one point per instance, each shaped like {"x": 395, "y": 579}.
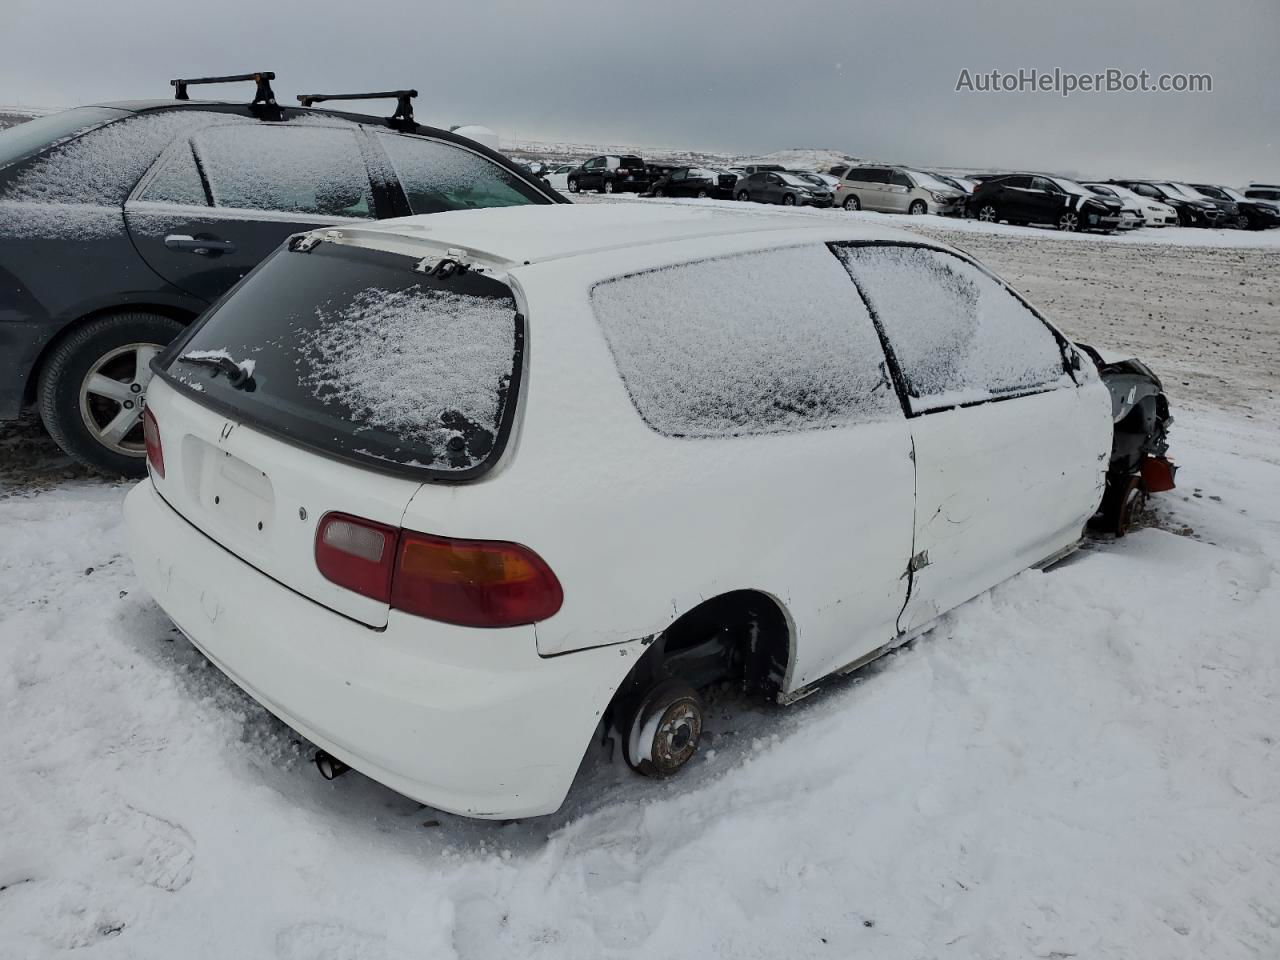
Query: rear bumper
{"x": 469, "y": 721}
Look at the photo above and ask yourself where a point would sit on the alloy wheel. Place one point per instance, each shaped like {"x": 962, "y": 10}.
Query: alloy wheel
{"x": 1069, "y": 222}
{"x": 113, "y": 396}
{"x": 987, "y": 214}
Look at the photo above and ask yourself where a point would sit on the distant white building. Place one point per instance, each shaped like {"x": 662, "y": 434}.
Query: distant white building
{"x": 473, "y": 131}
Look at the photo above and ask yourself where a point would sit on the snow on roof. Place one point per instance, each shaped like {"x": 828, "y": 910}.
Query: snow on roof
{"x": 539, "y": 232}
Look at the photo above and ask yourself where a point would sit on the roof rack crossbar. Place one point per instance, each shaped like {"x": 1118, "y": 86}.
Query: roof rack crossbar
{"x": 263, "y": 78}
{"x": 404, "y": 106}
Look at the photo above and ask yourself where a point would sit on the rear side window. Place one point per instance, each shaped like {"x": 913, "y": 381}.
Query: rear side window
{"x": 439, "y": 176}
{"x": 293, "y": 169}
{"x": 757, "y": 343}
{"x": 958, "y": 335}
{"x": 355, "y": 354}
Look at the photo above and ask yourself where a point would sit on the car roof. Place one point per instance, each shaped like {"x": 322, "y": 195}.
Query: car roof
{"x": 142, "y": 106}
{"x": 528, "y": 234}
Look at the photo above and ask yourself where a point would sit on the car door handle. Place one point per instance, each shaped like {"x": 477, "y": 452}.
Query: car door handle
{"x": 204, "y": 246}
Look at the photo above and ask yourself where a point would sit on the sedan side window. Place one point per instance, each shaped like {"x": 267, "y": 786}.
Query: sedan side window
{"x": 439, "y": 176}
{"x": 293, "y": 169}
{"x": 177, "y": 180}
{"x": 770, "y": 342}
{"x": 958, "y": 335}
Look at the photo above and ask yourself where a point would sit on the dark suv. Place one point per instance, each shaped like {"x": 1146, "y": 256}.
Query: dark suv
{"x": 1032, "y": 198}
{"x": 611, "y": 174}
{"x": 121, "y": 222}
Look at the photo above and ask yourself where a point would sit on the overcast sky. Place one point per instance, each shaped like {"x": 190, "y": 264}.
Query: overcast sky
{"x": 875, "y": 79}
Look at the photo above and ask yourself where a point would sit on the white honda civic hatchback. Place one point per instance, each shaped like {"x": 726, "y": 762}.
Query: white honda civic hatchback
{"x": 448, "y": 493}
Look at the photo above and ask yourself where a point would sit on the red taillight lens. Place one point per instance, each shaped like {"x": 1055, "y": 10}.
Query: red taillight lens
{"x": 473, "y": 583}
{"x": 357, "y": 554}
{"x": 151, "y": 434}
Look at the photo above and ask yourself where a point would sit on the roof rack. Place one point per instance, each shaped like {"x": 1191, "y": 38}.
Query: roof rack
{"x": 403, "y": 117}
{"x": 264, "y": 94}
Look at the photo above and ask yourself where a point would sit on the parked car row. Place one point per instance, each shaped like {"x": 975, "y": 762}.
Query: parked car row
{"x": 1118, "y": 204}
{"x": 1028, "y": 198}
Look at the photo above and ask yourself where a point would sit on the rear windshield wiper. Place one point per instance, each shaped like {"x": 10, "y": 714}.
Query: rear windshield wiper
{"x": 237, "y": 375}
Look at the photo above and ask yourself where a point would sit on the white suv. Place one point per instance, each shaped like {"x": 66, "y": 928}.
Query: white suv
{"x": 447, "y": 493}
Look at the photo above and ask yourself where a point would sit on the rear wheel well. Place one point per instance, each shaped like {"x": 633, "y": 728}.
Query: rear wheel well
{"x": 742, "y": 637}
{"x": 33, "y": 375}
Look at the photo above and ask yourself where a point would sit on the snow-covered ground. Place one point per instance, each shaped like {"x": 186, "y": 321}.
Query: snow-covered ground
{"x": 1083, "y": 763}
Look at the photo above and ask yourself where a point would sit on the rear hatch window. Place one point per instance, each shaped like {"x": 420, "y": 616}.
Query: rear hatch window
{"x": 358, "y": 355}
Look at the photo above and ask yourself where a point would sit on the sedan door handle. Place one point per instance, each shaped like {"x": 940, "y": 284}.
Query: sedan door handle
{"x": 204, "y": 246}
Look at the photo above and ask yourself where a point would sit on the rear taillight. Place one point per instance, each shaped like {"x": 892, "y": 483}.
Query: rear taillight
{"x": 473, "y": 583}
{"x": 151, "y": 434}
{"x": 357, "y": 554}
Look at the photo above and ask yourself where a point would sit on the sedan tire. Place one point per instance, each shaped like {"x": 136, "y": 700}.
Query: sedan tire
{"x": 788, "y": 200}
{"x": 92, "y": 390}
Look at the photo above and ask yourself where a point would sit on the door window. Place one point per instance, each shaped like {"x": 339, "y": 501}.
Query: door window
{"x": 439, "y": 176}
{"x": 958, "y": 335}
{"x": 1044, "y": 185}
{"x": 900, "y": 179}
{"x": 1022, "y": 183}
{"x": 767, "y": 342}
{"x": 869, "y": 175}
{"x": 177, "y": 180}
{"x": 292, "y": 169}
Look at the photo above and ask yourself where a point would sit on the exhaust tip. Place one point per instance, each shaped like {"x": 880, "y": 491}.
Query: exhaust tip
{"x": 330, "y": 767}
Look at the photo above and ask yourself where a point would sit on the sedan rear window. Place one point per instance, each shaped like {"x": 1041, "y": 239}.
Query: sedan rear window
{"x": 26, "y": 139}
{"x": 354, "y": 353}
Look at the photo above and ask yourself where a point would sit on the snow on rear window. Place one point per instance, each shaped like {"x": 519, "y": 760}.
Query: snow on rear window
{"x": 292, "y": 168}
{"x": 756, "y": 343}
{"x": 958, "y": 335}
{"x": 431, "y": 366}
